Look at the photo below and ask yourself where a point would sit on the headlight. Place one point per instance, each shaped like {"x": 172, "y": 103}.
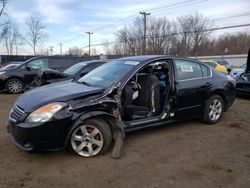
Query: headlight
{"x": 2, "y": 73}
{"x": 45, "y": 113}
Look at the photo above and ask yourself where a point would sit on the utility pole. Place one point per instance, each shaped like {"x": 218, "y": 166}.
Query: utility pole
{"x": 89, "y": 33}
{"x": 51, "y": 49}
{"x": 145, "y": 14}
{"x": 125, "y": 42}
{"x": 60, "y": 48}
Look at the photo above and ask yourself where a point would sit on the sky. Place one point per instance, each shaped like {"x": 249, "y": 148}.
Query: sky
{"x": 67, "y": 21}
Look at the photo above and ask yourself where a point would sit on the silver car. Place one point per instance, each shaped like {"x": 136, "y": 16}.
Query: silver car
{"x": 238, "y": 71}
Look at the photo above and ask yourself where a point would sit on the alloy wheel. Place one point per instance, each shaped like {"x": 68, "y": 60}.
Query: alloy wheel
{"x": 15, "y": 86}
{"x": 215, "y": 109}
{"x": 87, "y": 140}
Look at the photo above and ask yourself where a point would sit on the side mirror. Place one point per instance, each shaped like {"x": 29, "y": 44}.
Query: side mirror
{"x": 28, "y": 68}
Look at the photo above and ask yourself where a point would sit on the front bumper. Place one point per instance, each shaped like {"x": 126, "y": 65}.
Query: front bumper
{"x": 43, "y": 136}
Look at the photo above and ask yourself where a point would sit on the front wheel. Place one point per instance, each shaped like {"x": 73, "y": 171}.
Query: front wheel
{"x": 214, "y": 109}
{"x": 91, "y": 138}
{"x": 14, "y": 85}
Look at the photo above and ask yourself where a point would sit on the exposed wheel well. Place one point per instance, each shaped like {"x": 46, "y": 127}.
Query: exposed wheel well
{"x": 15, "y": 77}
{"x": 105, "y": 117}
{"x": 222, "y": 95}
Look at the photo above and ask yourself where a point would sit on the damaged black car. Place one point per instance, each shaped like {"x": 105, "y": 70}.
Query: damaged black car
{"x": 121, "y": 96}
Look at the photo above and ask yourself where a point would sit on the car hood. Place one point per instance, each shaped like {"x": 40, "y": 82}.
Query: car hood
{"x": 58, "y": 92}
{"x": 51, "y": 73}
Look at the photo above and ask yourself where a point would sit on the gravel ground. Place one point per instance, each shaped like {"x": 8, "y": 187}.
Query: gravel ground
{"x": 189, "y": 154}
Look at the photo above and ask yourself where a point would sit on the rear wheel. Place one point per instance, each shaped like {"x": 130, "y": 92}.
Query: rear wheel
{"x": 214, "y": 109}
{"x": 91, "y": 138}
{"x": 14, "y": 85}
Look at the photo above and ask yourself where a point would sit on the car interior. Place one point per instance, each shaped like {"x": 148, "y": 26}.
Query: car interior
{"x": 145, "y": 93}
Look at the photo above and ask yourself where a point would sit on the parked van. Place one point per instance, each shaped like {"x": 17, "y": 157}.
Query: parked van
{"x": 15, "y": 80}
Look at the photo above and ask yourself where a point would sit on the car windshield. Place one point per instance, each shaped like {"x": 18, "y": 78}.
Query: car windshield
{"x": 109, "y": 73}
{"x": 74, "y": 69}
{"x": 243, "y": 66}
{"x": 222, "y": 62}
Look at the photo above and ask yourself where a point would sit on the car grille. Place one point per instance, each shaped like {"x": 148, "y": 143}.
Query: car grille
{"x": 16, "y": 113}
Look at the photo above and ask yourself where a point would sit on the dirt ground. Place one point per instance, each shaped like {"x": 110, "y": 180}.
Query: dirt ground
{"x": 189, "y": 154}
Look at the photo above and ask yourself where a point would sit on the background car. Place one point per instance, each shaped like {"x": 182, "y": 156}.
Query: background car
{"x": 237, "y": 71}
{"x": 243, "y": 79}
{"x": 123, "y": 95}
{"x": 16, "y": 79}
{"x": 48, "y": 76}
{"x": 216, "y": 66}
{"x": 224, "y": 63}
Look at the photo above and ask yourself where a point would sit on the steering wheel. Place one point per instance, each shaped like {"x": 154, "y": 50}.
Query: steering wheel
{"x": 135, "y": 86}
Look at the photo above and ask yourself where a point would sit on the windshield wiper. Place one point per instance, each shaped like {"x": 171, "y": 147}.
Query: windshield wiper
{"x": 85, "y": 83}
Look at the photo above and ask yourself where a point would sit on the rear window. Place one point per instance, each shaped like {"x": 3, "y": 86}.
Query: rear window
{"x": 190, "y": 70}
{"x": 222, "y": 62}
{"x": 211, "y": 64}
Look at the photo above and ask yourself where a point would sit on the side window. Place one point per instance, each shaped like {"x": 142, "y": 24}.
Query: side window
{"x": 188, "y": 69}
{"x": 38, "y": 63}
{"x": 205, "y": 71}
{"x": 60, "y": 63}
{"x": 211, "y": 64}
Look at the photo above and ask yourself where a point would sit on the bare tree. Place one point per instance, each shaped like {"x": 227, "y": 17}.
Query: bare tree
{"x": 11, "y": 37}
{"x": 36, "y": 33}
{"x": 3, "y": 6}
{"x": 76, "y": 51}
{"x": 160, "y": 35}
{"x": 130, "y": 38}
{"x": 107, "y": 47}
{"x": 192, "y": 33}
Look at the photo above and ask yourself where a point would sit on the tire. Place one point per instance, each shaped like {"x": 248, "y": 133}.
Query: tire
{"x": 214, "y": 108}
{"x": 91, "y": 138}
{"x": 14, "y": 85}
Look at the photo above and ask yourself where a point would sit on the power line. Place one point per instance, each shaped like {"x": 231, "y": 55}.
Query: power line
{"x": 167, "y": 7}
{"x": 179, "y": 33}
{"x": 171, "y": 6}
{"x": 234, "y": 16}
{"x": 192, "y": 3}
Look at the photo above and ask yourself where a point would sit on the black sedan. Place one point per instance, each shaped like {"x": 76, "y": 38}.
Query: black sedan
{"x": 48, "y": 76}
{"x": 243, "y": 80}
{"x": 118, "y": 97}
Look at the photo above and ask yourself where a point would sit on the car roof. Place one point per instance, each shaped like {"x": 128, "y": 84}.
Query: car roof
{"x": 209, "y": 61}
{"x": 92, "y": 61}
{"x": 143, "y": 58}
